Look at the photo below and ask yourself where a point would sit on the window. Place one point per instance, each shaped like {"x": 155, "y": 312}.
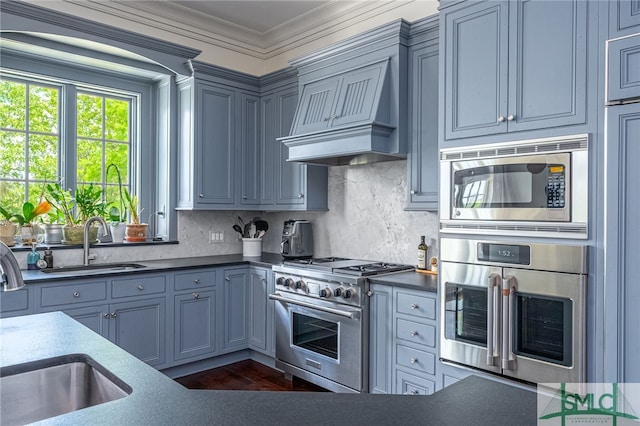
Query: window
{"x": 43, "y": 142}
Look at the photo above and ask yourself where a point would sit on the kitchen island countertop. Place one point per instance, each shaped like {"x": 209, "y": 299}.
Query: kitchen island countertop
{"x": 158, "y": 400}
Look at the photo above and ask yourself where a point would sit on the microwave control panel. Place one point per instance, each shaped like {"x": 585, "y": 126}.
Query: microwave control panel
{"x": 556, "y": 187}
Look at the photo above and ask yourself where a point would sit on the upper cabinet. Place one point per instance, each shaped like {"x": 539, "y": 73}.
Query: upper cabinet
{"x": 624, "y": 17}
{"x": 623, "y": 69}
{"x": 513, "y": 66}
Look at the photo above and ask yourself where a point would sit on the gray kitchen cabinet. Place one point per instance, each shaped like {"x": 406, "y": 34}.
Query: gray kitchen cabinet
{"x": 236, "y": 291}
{"x": 196, "y": 315}
{"x": 94, "y": 317}
{"x": 285, "y": 185}
{"x": 261, "y": 311}
{"x": 622, "y": 244}
{"x": 380, "y": 339}
{"x": 423, "y": 157}
{"x": 218, "y": 124}
{"x": 623, "y": 69}
{"x": 511, "y": 66}
{"x": 16, "y": 303}
{"x": 624, "y": 18}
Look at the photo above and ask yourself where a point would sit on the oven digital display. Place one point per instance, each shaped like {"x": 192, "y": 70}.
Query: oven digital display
{"x": 504, "y": 253}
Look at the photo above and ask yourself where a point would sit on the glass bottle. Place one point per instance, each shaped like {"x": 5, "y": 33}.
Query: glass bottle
{"x": 422, "y": 254}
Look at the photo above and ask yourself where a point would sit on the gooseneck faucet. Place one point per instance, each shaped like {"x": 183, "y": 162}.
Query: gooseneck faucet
{"x": 105, "y": 239}
{"x": 10, "y": 275}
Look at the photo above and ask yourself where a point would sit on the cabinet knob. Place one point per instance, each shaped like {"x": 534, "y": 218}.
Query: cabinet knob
{"x": 140, "y": 287}
{"x": 197, "y": 281}
{"x": 501, "y": 119}
{"x": 115, "y": 314}
{"x": 301, "y": 195}
{"x": 201, "y": 195}
{"x": 196, "y": 295}
{"x": 244, "y": 197}
{"x": 76, "y": 294}
{"x": 413, "y": 333}
{"x": 511, "y": 117}
{"x": 264, "y": 280}
{"x": 335, "y": 117}
{"x": 227, "y": 279}
{"x": 107, "y": 315}
{"x": 325, "y": 119}
{"x": 413, "y": 192}
{"x": 414, "y": 360}
{"x": 414, "y": 306}
{"x": 415, "y": 392}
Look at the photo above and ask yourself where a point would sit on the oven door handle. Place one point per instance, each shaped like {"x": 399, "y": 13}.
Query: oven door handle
{"x": 508, "y": 294}
{"x": 491, "y": 323}
{"x": 351, "y": 315}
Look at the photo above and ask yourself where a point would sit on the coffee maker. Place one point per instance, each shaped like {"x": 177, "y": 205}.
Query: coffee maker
{"x": 297, "y": 239}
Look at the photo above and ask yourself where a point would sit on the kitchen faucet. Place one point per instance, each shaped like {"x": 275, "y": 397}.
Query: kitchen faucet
{"x": 106, "y": 238}
{"x": 11, "y": 277}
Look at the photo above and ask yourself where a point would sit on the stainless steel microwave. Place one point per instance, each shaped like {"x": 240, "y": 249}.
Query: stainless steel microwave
{"x": 536, "y": 187}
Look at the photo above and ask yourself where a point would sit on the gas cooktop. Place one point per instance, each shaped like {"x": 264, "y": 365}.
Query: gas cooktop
{"x": 341, "y": 265}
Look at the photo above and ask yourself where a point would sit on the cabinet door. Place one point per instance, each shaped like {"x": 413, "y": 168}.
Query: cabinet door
{"x": 623, "y": 244}
{"x": 195, "y": 324}
{"x": 258, "y": 305}
{"x": 423, "y": 157}
{"x": 94, "y": 317}
{"x": 16, "y": 303}
{"x": 548, "y": 47}
{"x": 380, "y": 339}
{"x": 475, "y": 70}
{"x": 357, "y": 94}
{"x": 235, "y": 303}
{"x": 139, "y": 328}
{"x": 291, "y": 177}
{"x": 249, "y": 158}
{"x": 316, "y": 105}
{"x": 624, "y": 17}
{"x": 623, "y": 66}
{"x": 215, "y": 144}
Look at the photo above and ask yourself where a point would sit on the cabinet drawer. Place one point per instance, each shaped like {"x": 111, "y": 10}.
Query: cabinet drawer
{"x": 11, "y": 301}
{"x": 408, "y": 384}
{"x": 195, "y": 280}
{"x": 413, "y": 304}
{"x": 73, "y": 293}
{"x": 410, "y": 331}
{"x": 137, "y": 286}
{"x": 415, "y": 359}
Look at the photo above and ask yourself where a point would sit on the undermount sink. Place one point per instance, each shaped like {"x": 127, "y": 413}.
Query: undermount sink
{"x": 83, "y": 269}
{"x": 46, "y": 388}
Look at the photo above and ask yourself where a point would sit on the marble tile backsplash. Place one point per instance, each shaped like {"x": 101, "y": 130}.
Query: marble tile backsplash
{"x": 366, "y": 220}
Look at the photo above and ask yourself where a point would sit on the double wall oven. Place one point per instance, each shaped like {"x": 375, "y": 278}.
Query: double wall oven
{"x": 322, "y": 320}
{"x": 516, "y": 309}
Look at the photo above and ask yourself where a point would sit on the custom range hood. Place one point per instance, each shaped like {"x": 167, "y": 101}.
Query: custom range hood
{"x": 350, "y": 109}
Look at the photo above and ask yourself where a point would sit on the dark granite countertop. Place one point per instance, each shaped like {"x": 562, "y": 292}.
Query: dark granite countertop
{"x": 409, "y": 279}
{"x": 158, "y": 400}
{"x": 266, "y": 260}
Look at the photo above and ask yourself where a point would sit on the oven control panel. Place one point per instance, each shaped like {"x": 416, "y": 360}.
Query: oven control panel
{"x": 345, "y": 293}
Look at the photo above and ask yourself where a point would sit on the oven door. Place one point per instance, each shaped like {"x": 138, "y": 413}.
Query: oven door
{"x": 522, "y": 188}
{"x": 546, "y": 331}
{"x": 470, "y": 320}
{"x": 321, "y": 338}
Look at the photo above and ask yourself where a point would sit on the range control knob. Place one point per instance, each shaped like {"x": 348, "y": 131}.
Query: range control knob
{"x": 299, "y": 284}
{"x": 326, "y": 293}
{"x": 280, "y": 281}
{"x": 347, "y": 294}
{"x": 338, "y": 292}
{"x": 288, "y": 283}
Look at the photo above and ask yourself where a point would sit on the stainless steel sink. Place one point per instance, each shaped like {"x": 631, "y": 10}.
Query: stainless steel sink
{"x": 87, "y": 269}
{"x": 42, "y": 389}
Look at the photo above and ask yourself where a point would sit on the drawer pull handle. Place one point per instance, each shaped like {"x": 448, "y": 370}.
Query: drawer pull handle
{"x": 76, "y": 294}
{"x": 196, "y": 295}
{"x": 115, "y": 314}
{"x": 197, "y": 281}
{"x": 413, "y": 333}
{"x": 414, "y": 360}
{"x": 140, "y": 287}
{"x": 414, "y": 306}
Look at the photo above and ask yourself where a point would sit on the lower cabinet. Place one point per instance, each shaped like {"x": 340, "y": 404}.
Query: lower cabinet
{"x": 195, "y": 325}
{"x": 403, "y": 341}
{"x": 235, "y": 291}
{"x": 260, "y": 311}
{"x": 15, "y": 303}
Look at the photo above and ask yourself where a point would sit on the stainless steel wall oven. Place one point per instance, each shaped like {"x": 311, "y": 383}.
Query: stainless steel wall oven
{"x": 516, "y": 309}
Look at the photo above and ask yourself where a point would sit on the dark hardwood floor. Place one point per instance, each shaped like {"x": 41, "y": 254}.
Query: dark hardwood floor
{"x": 246, "y": 375}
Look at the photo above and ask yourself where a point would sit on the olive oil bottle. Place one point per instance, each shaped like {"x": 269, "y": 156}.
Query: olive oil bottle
{"x": 422, "y": 254}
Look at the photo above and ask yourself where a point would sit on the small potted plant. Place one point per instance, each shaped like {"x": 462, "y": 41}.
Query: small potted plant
{"x": 87, "y": 202}
{"x": 135, "y": 231}
{"x": 8, "y": 228}
{"x": 117, "y": 213}
{"x": 27, "y": 220}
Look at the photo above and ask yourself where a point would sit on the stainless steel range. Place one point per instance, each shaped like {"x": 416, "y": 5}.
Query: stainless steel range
{"x": 322, "y": 320}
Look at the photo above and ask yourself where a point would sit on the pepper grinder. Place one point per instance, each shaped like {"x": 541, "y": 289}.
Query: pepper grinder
{"x": 48, "y": 257}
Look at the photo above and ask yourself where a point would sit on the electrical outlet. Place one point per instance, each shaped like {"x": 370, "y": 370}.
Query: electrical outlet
{"x": 216, "y": 237}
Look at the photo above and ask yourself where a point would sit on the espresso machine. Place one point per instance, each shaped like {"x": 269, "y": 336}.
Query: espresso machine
{"x": 297, "y": 239}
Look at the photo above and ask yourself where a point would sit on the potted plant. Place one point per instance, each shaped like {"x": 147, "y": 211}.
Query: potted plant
{"x": 8, "y": 229}
{"x": 117, "y": 213}
{"x": 27, "y": 220}
{"x": 87, "y": 203}
{"x": 52, "y": 226}
{"x": 135, "y": 231}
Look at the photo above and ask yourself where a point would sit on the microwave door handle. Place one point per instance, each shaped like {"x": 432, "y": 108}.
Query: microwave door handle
{"x": 506, "y": 322}
{"x": 491, "y": 324}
